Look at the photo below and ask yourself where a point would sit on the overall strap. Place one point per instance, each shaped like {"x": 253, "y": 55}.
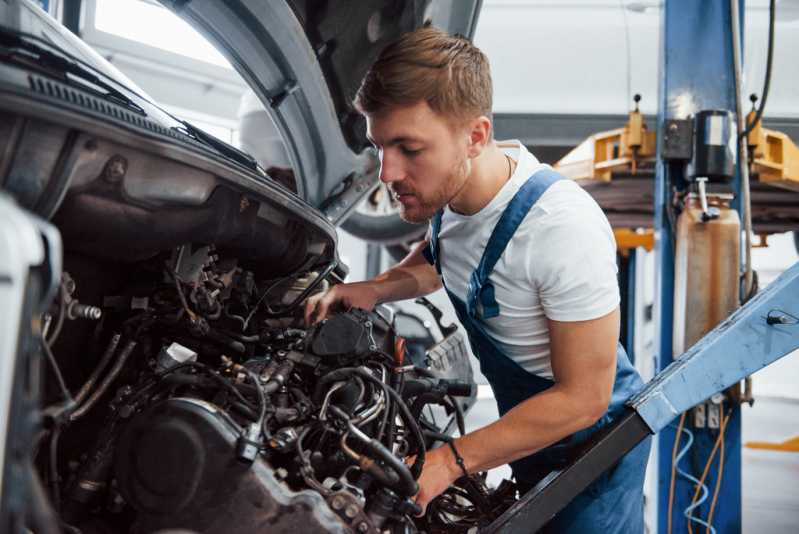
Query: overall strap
{"x": 430, "y": 252}
{"x": 480, "y": 287}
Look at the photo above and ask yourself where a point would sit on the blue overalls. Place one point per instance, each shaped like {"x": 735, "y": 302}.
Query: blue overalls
{"x": 614, "y": 502}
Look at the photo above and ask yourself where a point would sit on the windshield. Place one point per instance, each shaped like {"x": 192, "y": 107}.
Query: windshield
{"x": 34, "y": 21}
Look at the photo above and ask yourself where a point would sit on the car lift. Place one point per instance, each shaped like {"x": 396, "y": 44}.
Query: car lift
{"x": 764, "y": 330}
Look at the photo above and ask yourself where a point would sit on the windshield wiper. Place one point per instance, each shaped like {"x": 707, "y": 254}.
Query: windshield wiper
{"x": 220, "y": 146}
{"x": 12, "y": 43}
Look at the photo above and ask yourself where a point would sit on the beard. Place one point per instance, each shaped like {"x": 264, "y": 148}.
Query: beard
{"x": 421, "y": 209}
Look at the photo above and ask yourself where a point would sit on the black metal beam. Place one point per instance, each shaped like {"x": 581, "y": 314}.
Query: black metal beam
{"x": 557, "y": 489}
{"x": 71, "y": 15}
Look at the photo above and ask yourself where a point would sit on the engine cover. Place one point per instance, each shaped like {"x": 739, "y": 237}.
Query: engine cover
{"x": 348, "y": 337}
{"x": 176, "y": 465}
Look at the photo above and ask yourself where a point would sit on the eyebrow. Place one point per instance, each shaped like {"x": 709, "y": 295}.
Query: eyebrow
{"x": 396, "y": 140}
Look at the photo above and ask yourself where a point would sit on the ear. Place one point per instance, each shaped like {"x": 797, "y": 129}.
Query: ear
{"x": 479, "y": 135}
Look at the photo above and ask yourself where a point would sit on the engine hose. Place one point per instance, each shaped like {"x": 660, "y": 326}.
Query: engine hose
{"x": 397, "y": 383}
{"x": 344, "y": 372}
{"x": 101, "y": 365}
{"x": 403, "y": 482}
{"x": 106, "y": 383}
{"x": 459, "y": 419}
{"x": 423, "y": 400}
{"x": 41, "y": 517}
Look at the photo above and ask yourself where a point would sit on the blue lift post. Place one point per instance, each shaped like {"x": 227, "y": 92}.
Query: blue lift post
{"x": 696, "y": 74}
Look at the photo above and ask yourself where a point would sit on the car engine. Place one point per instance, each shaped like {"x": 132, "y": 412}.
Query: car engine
{"x": 200, "y": 401}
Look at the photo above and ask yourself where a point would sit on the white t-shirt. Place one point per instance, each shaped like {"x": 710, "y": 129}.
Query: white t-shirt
{"x": 560, "y": 263}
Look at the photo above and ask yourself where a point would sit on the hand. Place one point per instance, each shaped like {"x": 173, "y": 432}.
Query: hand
{"x": 358, "y": 295}
{"x": 439, "y": 472}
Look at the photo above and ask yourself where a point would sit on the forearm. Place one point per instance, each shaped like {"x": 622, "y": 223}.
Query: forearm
{"x": 404, "y": 282}
{"x": 412, "y": 277}
{"x": 529, "y": 427}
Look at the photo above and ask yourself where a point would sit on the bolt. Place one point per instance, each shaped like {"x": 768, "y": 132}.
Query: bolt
{"x": 351, "y": 511}
{"x": 115, "y": 169}
{"x": 337, "y": 503}
{"x": 84, "y": 311}
{"x": 363, "y": 527}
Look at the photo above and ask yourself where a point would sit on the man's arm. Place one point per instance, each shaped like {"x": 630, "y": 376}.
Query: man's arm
{"x": 412, "y": 277}
{"x": 583, "y": 357}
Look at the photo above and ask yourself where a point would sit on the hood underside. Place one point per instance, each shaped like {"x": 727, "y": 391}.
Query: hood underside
{"x": 122, "y": 179}
{"x": 305, "y": 60}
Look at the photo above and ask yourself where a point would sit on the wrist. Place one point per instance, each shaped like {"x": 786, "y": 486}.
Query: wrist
{"x": 456, "y": 467}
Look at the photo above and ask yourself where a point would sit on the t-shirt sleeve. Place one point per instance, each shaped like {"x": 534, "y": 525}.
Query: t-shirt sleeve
{"x": 575, "y": 268}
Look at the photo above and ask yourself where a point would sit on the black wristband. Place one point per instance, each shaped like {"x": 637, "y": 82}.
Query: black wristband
{"x": 458, "y": 458}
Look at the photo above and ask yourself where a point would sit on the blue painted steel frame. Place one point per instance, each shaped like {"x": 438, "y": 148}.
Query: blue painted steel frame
{"x": 760, "y": 333}
{"x": 696, "y": 73}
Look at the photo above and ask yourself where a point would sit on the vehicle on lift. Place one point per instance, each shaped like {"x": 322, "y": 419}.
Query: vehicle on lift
{"x": 155, "y": 371}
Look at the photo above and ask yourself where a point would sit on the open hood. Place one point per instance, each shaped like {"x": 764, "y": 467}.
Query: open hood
{"x": 304, "y": 60}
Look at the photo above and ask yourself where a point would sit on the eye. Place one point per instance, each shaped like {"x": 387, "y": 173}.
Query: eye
{"x": 410, "y": 152}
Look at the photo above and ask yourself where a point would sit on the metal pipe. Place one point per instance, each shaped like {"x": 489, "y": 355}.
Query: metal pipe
{"x": 743, "y": 151}
{"x": 109, "y": 352}
{"x": 106, "y": 383}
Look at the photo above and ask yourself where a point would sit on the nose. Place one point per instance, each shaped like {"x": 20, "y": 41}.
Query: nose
{"x": 390, "y": 168}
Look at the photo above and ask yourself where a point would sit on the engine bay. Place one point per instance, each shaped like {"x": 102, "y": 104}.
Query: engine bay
{"x": 192, "y": 396}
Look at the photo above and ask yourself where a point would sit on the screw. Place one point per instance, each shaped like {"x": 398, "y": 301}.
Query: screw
{"x": 115, "y": 169}
{"x": 351, "y": 511}
{"x": 337, "y": 503}
{"x": 363, "y": 527}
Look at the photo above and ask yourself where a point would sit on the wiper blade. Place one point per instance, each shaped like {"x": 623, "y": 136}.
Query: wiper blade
{"x": 220, "y": 146}
{"x": 11, "y": 41}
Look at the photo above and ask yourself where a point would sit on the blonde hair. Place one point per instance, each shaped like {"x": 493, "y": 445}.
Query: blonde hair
{"x": 448, "y": 72}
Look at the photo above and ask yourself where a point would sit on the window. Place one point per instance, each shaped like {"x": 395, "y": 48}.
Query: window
{"x": 156, "y": 26}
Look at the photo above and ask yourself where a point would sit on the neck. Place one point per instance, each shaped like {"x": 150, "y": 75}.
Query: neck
{"x": 489, "y": 172}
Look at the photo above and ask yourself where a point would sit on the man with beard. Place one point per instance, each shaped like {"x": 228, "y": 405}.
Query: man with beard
{"x": 528, "y": 260}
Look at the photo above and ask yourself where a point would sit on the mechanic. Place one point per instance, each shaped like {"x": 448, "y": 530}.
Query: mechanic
{"x": 528, "y": 260}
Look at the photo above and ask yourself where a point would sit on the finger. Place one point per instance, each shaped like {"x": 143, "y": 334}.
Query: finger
{"x": 322, "y": 307}
{"x": 310, "y": 307}
{"x": 421, "y": 502}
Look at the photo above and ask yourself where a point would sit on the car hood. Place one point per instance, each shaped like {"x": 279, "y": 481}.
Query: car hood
{"x": 304, "y": 60}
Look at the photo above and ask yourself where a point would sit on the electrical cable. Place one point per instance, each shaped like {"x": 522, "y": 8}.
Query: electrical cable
{"x": 743, "y": 130}
{"x": 673, "y": 478}
{"x": 55, "y": 488}
{"x": 191, "y": 314}
{"x": 688, "y": 476}
{"x": 720, "y": 473}
{"x": 767, "y": 80}
{"x": 62, "y": 312}
{"x": 709, "y": 462}
{"x": 83, "y": 392}
{"x": 57, "y": 372}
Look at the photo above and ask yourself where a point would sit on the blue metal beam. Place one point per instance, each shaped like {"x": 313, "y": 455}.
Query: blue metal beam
{"x": 760, "y": 333}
